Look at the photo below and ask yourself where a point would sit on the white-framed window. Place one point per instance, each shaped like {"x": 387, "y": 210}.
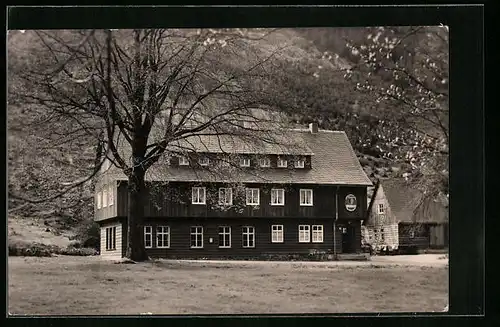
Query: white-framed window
{"x": 380, "y": 208}
{"x": 162, "y": 236}
{"x": 110, "y": 238}
{"x": 225, "y": 196}
{"x": 276, "y": 233}
{"x": 248, "y": 233}
{"x": 253, "y": 196}
{"x": 224, "y": 237}
{"x": 196, "y": 237}
{"x": 304, "y": 233}
{"x": 317, "y": 233}
{"x": 299, "y": 163}
{"x": 111, "y": 198}
{"x": 306, "y": 197}
{"x": 277, "y": 197}
{"x": 204, "y": 161}
{"x": 104, "y": 197}
{"x": 244, "y": 162}
{"x": 198, "y": 195}
{"x": 265, "y": 162}
{"x": 148, "y": 236}
{"x": 99, "y": 199}
{"x": 282, "y": 163}
{"x": 183, "y": 161}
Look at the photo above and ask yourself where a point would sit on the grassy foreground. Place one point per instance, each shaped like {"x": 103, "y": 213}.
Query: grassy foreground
{"x": 87, "y": 286}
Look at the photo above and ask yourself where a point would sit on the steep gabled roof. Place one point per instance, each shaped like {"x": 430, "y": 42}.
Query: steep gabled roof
{"x": 333, "y": 160}
{"x": 407, "y": 203}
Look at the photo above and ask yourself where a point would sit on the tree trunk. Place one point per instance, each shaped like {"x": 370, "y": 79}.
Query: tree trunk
{"x": 135, "y": 241}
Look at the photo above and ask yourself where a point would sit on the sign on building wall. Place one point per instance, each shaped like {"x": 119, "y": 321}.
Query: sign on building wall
{"x": 350, "y": 202}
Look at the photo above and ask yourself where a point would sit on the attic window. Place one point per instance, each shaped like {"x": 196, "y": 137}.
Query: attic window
{"x": 245, "y": 162}
{"x": 224, "y": 162}
{"x": 380, "y": 208}
{"x": 282, "y": 163}
{"x": 204, "y": 161}
{"x": 265, "y": 162}
{"x": 299, "y": 163}
{"x": 183, "y": 161}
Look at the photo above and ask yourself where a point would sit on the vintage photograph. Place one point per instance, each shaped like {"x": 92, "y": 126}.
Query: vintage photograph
{"x": 228, "y": 171}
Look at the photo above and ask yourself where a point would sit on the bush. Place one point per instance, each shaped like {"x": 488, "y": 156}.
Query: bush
{"x": 88, "y": 235}
{"x": 32, "y": 250}
{"x": 78, "y": 251}
{"x": 44, "y": 250}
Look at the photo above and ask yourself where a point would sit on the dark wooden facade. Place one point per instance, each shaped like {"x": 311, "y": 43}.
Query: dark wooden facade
{"x": 423, "y": 235}
{"x": 170, "y": 205}
{"x": 174, "y": 200}
{"x": 180, "y": 247}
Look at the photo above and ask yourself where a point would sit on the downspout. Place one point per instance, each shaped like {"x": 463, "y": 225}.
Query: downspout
{"x": 335, "y": 222}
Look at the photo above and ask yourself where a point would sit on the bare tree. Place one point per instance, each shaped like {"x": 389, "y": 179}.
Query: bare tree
{"x": 140, "y": 94}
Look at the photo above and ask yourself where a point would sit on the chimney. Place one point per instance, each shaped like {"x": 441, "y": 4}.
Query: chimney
{"x": 313, "y": 128}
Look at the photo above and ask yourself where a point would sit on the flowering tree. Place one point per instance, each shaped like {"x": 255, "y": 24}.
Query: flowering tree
{"x": 406, "y": 71}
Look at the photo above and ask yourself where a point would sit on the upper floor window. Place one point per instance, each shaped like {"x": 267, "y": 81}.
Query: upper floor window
{"x": 381, "y": 208}
{"x": 253, "y": 196}
{"x": 282, "y": 163}
{"x": 306, "y": 197}
{"x": 265, "y": 162}
{"x": 105, "y": 198}
{"x": 111, "y": 199}
{"x": 99, "y": 198}
{"x": 204, "y": 161}
{"x": 277, "y": 197}
{"x": 225, "y": 196}
{"x": 299, "y": 163}
{"x": 277, "y": 233}
{"x": 198, "y": 195}
{"x": 183, "y": 161}
{"x": 245, "y": 162}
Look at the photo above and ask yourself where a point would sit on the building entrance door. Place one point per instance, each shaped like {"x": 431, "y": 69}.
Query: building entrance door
{"x": 348, "y": 239}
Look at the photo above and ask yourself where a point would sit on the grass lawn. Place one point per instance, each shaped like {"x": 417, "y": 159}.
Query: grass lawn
{"x": 87, "y": 286}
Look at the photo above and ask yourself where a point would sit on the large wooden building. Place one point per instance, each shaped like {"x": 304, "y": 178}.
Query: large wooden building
{"x": 400, "y": 218}
{"x": 272, "y": 200}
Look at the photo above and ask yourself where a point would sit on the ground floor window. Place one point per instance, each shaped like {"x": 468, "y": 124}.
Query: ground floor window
{"x": 248, "y": 236}
{"x": 148, "y": 236}
{"x": 304, "y": 234}
{"x": 163, "y": 236}
{"x": 196, "y": 237}
{"x": 224, "y": 237}
{"x": 277, "y": 233}
{"x": 111, "y": 238}
{"x": 317, "y": 233}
